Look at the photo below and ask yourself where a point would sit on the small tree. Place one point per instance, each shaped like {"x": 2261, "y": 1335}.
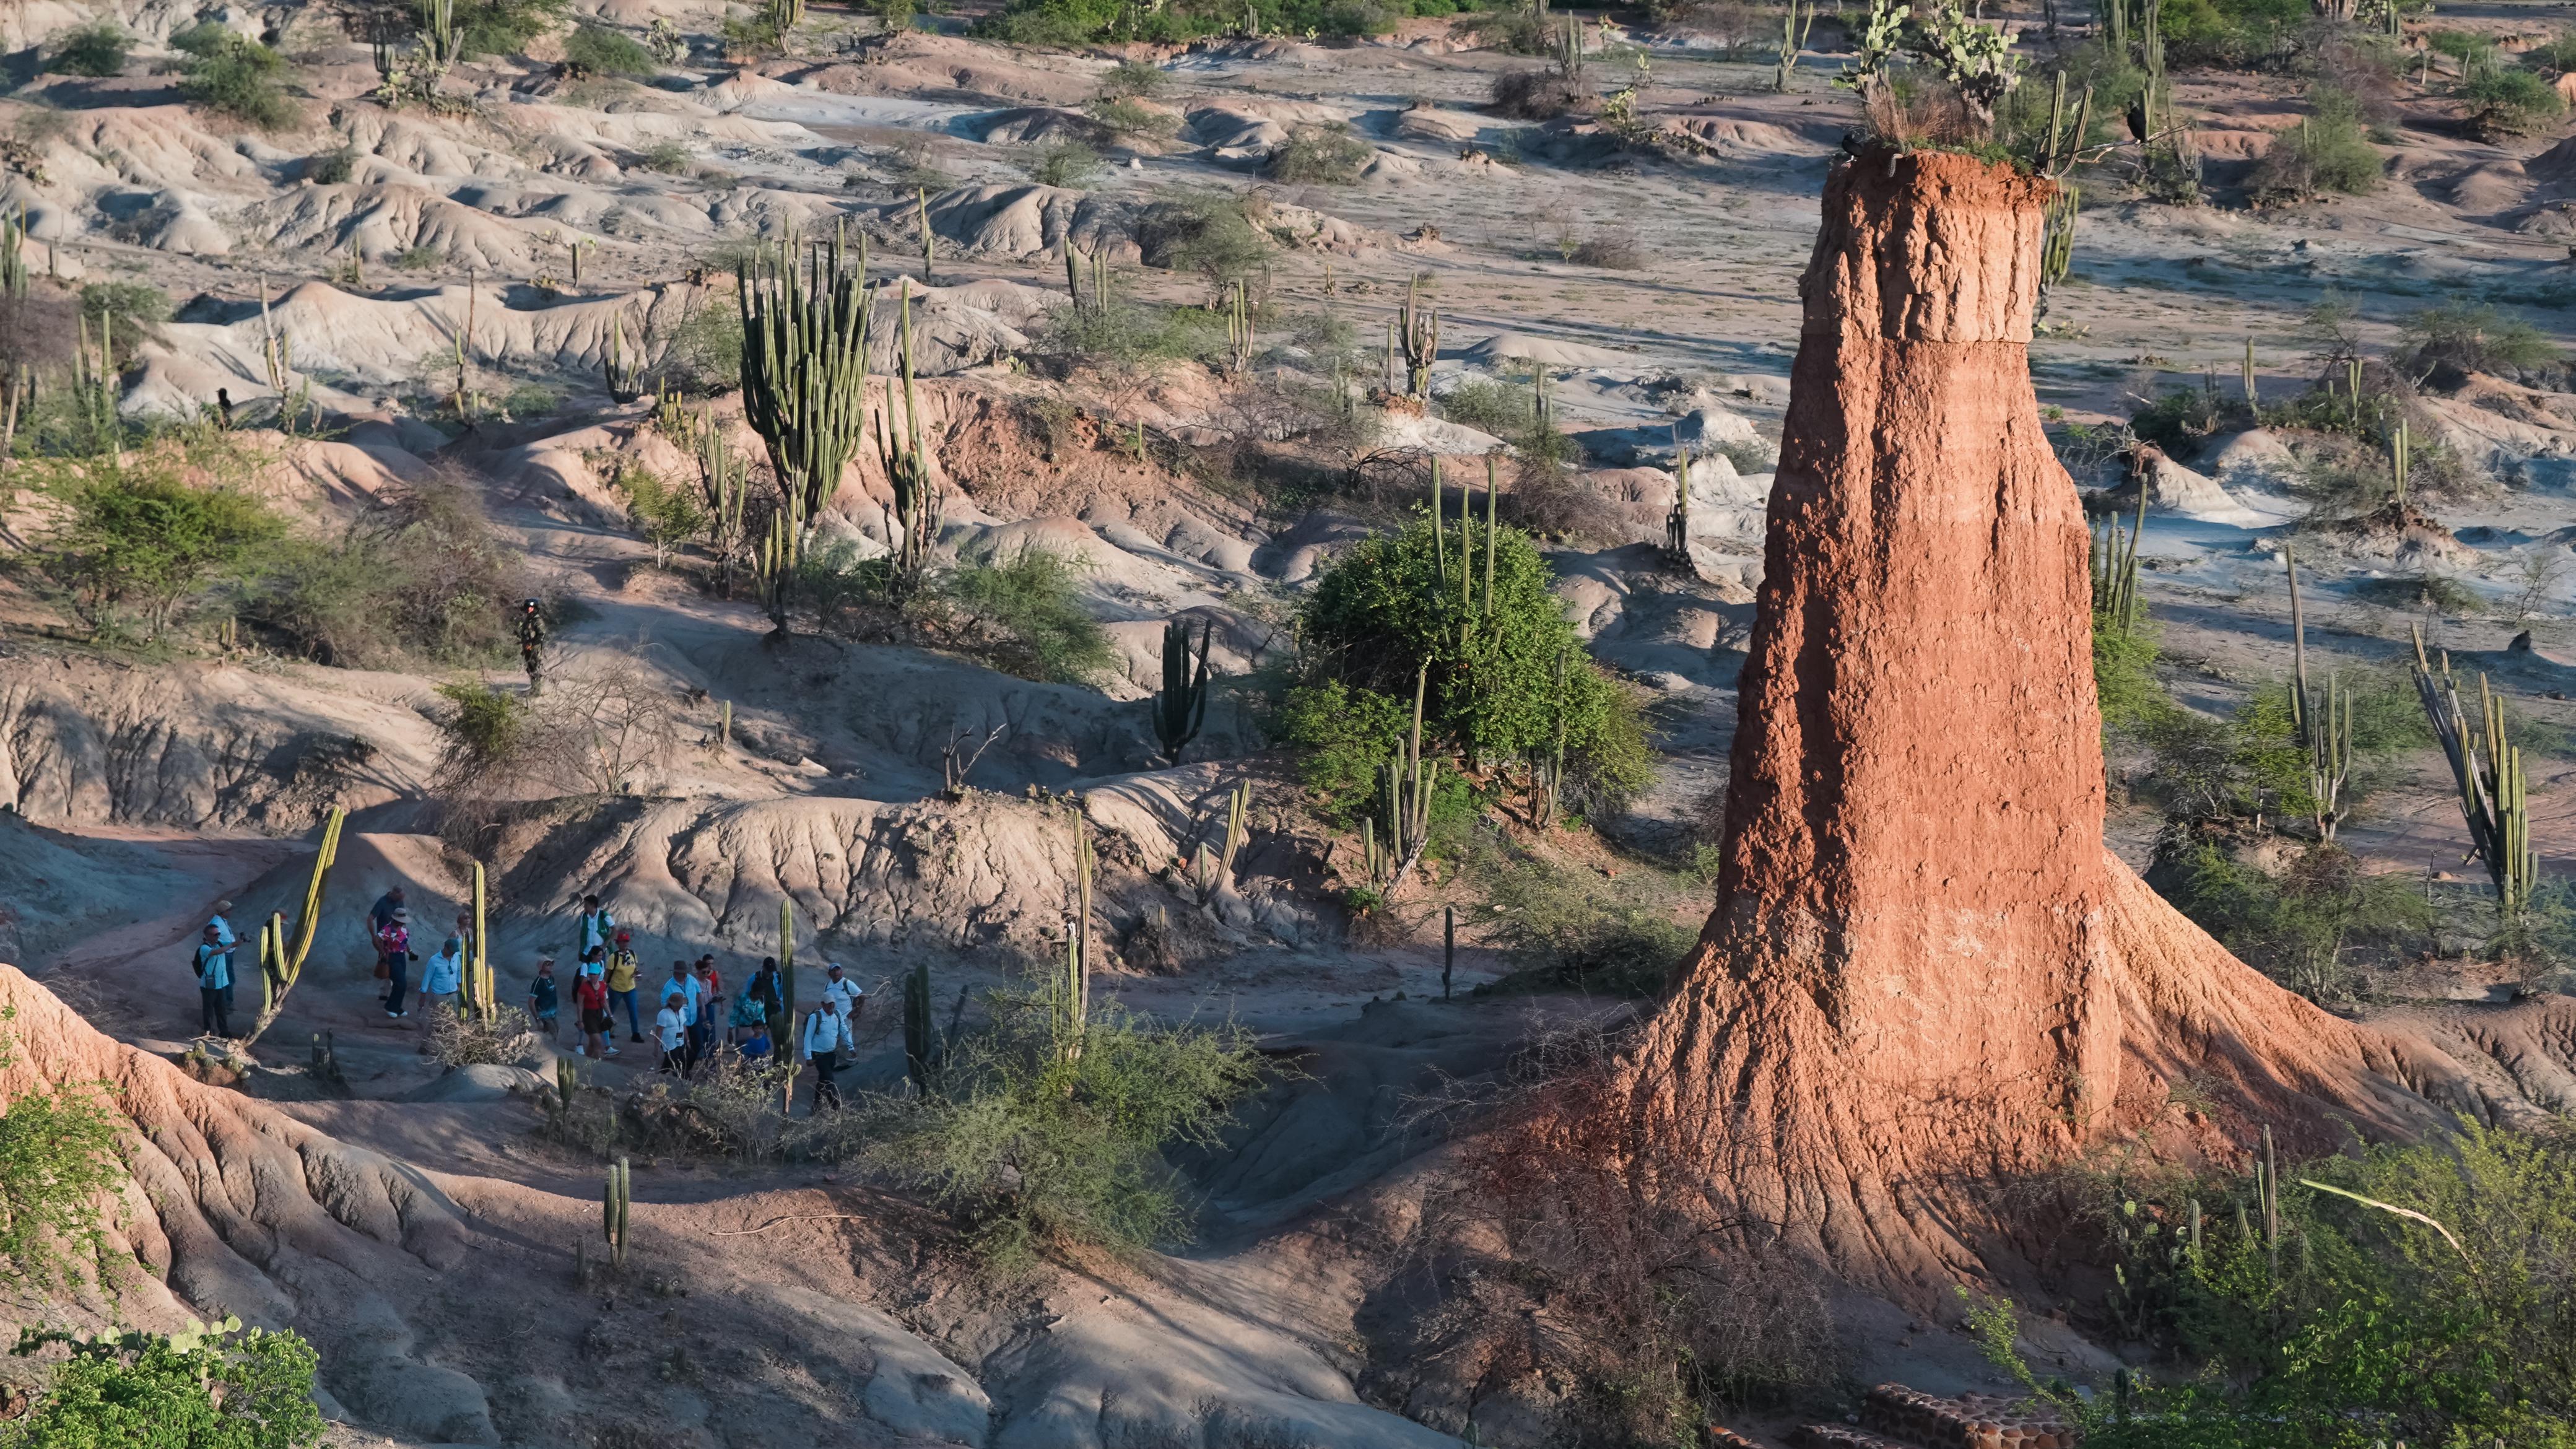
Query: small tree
{"x": 96, "y": 49}
{"x": 139, "y": 538}
{"x": 58, "y": 1164}
{"x": 665, "y": 515}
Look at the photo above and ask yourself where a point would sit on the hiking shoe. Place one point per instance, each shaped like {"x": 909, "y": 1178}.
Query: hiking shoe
{"x": 632, "y": 1037}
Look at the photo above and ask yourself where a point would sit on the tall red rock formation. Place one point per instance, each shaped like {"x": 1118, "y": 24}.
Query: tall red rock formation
{"x": 1924, "y": 970}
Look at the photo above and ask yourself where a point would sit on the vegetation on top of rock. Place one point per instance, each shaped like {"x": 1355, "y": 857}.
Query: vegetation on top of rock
{"x": 59, "y": 1161}
{"x": 217, "y": 1386}
{"x": 239, "y": 79}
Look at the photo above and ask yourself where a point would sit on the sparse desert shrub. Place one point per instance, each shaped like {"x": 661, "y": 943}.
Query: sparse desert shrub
{"x": 2473, "y": 337}
{"x": 705, "y": 353}
{"x": 2428, "y": 592}
{"x": 1554, "y": 504}
{"x": 667, "y": 157}
{"x": 2308, "y": 927}
{"x": 2233, "y": 769}
{"x": 1036, "y": 1143}
{"x": 125, "y": 301}
{"x": 58, "y": 1163}
{"x": 1022, "y": 614}
{"x": 597, "y": 50}
{"x": 2329, "y": 151}
{"x": 1069, "y": 164}
{"x": 97, "y": 49}
{"x": 1615, "y": 251}
{"x": 1376, "y": 618}
{"x": 242, "y": 80}
{"x": 459, "y": 1038}
{"x": 483, "y": 729}
{"x": 333, "y": 167}
{"x": 2558, "y": 55}
{"x": 2511, "y": 102}
{"x": 1133, "y": 78}
{"x": 1328, "y": 154}
{"x": 664, "y": 514}
{"x": 2241, "y": 34}
{"x": 504, "y": 27}
{"x": 1540, "y": 95}
{"x": 1489, "y": 405}
{"x": 419, "y": 259}
{"x": 1565, "y": 926}
{"x": 1128, "y": 118}
{"x": 140, "y": 539}
{"x": 221, "y": 1386}
{"x": 748, "y": 37}
{"x": 421, "y": 574}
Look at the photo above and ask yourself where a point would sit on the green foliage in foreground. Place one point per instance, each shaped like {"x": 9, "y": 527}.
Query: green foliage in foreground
{"x": 220, "y": 1388}
{"x": 134, "y": 543}
{"x": 2365, "y": 1327}
{"x": 58, "y": 1162}
{"x": 1037, "y": 1136}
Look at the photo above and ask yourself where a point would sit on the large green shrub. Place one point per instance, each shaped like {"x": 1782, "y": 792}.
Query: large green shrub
{"x": 504, "y": 27}
{"x": 2309, "y": 927}
{"x": 2329, "y": 151}
{"x": 1039, "y": 1134}
{"x": 1320, "y": 153}
{"x": 2234, "y": 33}
{"x": 597, "y": 50}
{"x": 2474, "y": 337}
{"x": 241, "y": 80}
{"x": 1209, "y": 233}
{"x": 220, "y": 1388}
{"x": 1388, "y": 607}
{"x": 1022, "y": 614}
{"x": 137, "y": 542}
{"x": 422, "y": 575}
{"x": 96, "y": 49}
{"x": 2511, "y": 102}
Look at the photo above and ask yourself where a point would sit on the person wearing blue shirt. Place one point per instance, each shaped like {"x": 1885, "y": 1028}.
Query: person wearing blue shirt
{"x": 444, "y": 976}
{"x": 214, "y": 985}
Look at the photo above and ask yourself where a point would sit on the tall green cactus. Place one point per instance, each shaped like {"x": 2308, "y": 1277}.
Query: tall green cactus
{"x": 786, "y": 974}
{"x": 1072, "y": 1005}
{"x": 13, "y": 256}
{"x": 567, "y": 1081}
{"x": 2487, "y": 772}
{"x": 1180, "y": 708}
{"x": 914, "y": 522}
{"x": 2114, "y": 561}
{"x": 623, "y": 378}
{"x": 725, "y": 477}
{"x": 2057, "y": 235}
{"x": 2324, "y": 726}
{"x": 1094, "y": 267}
{"x": 1417, "y": 330}
{"x": 804, "y": 377}
{"x": 1212, "y": 874}
{"x": 613, "y": 1206}
{"x": 929, "y": 238}
{"x": 1547, "y": 771}
{"x": 1240, "y": 335}
{"x": 920, "y": 1047}
{"x": 2401, "y": 450}
{"x": 2253, "y": 395}
{"x": 485, "y": 992}
{"x": 281, "y": 964}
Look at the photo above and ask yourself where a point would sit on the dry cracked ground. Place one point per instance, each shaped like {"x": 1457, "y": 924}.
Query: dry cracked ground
{"x": 414, "y": 1222}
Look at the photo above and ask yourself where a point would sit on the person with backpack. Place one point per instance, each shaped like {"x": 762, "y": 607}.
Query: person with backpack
{"x": 620, "y": 969}
{"x": 765, "y": 988}
{"x": 593, "y": 928}
{"x": 826, "y": 1037}
{"x": 214, "y": 965}
{"x": 543, "y": 1005}
{"x": 380, "y": 918}
{"x": 590, "y": 1001}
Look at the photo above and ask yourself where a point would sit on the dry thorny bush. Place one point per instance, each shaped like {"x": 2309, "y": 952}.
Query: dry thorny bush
{"x": 1642, "y": 1302}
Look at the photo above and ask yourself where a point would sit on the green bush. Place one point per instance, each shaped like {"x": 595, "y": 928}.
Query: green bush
{"x": 139, "y": 538}
{"x": 96, "y": 49}
{"x": 1342, "y": 735}
{"x": 1069, "y": 164}
{"x": 242, "y": 80}
{"x": 206, "y": 37}
{"x": 224, "y": 1387}
{"x": 1133, "y": 78}
{"x": 2124, "y": 675}
{"x": 504, "y": 27}
{"x": 1127, "y": 118}
{"x": 2558, "y": 55}
{"x": 597, "y": 50}
{"x": 1035, "y": 1142}
{"x": 1023, "y": 615}
{"x": 419, "y": 259}
{"x": 59, "y": 1161}
{"x": 2474, "y": 337}
{"x": 1389, "y": 606}
{"x": 331, "y": 168}
{"x": 421, "y": 575}
{"x": 1565, "y": 926}
{"x": 668, "y": 157}
{"x": 1128, "y": 334}
{"x": 2310, "y": 927}
{"x": 665, "y": 515}
{"x": 2230, "y": 769}
{"x": 1209, "y": 234}
{"x": 2329, "y": 151}
{"x": 483, "y": 726}
{"x": 2362, "y": 1325}
{"x": 705, "y": 353}
{"x": 2511, "y": 102}
{"x": 125, "y": 301}
{"x": 2232, "y": 33}
{"x": 1329, "y": 154}
{"x": 1489, "y": 405}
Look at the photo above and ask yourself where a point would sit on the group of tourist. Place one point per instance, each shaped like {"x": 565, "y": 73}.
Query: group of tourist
{"x": 694, "y": 1020}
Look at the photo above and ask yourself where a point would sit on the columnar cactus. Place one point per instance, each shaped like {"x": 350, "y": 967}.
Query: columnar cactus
{"x": 282, "y": 964}
{"x": 914, "y": 522}
{"x": 2325, "y": 727}
{"x": 804, "y": 377}
{"x": 2487, "y": 771}
{"x": 1417, "y": 329}
{"x": 1181, "y": 706}
{"x": 1404, "y": 793}
{"x": 614, "y": 1203}
{"x": 920, "y": 1047}
{"x": 623, "y": 378}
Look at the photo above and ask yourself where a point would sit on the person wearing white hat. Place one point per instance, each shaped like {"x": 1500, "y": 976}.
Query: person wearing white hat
{"x": 222, "y": 928}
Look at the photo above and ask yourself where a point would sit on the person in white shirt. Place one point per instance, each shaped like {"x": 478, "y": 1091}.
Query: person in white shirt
{"x": 671, "y": 1029}
{"x": 592, "y": 927}
{"x": 222, "y": 928}
{"x": 827, "y": 1035}
{"x": 845, "y": 993}
{"x": 444, "y": 974}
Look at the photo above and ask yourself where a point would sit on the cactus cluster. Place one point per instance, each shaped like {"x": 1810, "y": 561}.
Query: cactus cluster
{"x": 623, "y": 378}
{"x": 1416, "y": 332}
{"x": 1796, "y": 23}
{"x": 1404, "y": 785}
{"x": 725, "y": 477}
{"x": 2057, "y": 235}
{"x": 1240, "y": 337}
{"x": 2401, "y": 441}
{"x": 1211, "y": 873}
{"x": 1180, "y": 707}
{"x": 2324, "y": 726}
{"x": 1072, "y": 996}
{"x": 281, "y": 964}
{"x": 913, "y": 524}
{"x": 1475, "y": 557}
{"x": 804, "y": 382}
{"x": 1086, "y": 280}
{"x": 2487, "y": 771}
{"x": 2114, "y": 560}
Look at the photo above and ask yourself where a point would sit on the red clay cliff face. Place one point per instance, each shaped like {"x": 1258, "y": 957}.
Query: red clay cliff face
{"x": 1924, "y": 970}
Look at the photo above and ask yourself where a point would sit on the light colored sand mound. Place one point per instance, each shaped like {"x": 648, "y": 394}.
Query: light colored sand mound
{"x": 1546, "y": 350}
